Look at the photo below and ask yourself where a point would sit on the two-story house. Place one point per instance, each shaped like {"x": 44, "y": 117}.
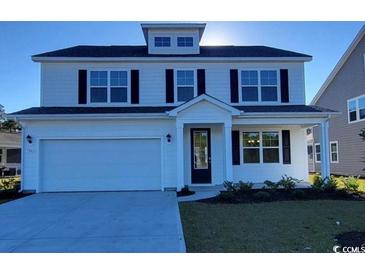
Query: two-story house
{"x": 344, "y": 90}
{"x": 167, "y": 114}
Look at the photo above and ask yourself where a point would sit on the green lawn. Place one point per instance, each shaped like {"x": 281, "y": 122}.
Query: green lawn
{"x": 290, "y": 226}
{"x": 340, "y": 184}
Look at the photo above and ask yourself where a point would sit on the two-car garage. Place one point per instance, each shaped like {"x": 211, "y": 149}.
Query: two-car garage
{"x": 100, "y": 164}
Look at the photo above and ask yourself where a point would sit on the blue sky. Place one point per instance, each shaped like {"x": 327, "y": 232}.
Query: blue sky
{"x": 19, "y": 76}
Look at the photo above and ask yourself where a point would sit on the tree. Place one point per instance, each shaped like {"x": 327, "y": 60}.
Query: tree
{"x": 6, "y": 124}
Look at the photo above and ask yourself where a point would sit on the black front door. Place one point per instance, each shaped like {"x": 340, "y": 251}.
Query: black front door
{"x": 201, "y": 172}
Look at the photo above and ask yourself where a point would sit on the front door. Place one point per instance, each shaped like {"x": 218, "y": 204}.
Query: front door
{"x": 201, "y": 172}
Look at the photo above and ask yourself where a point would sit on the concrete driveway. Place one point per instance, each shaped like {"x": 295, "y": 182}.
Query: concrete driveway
{"x": 92, "y": 222}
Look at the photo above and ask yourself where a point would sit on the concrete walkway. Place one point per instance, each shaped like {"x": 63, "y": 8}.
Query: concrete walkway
{"x": 92, "y": 222}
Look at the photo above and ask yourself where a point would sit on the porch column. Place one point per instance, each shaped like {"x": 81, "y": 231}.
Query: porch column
{"x": 325, "y": 150}
{"x": 180, "y": 154}
{"x": 228, "y": 151}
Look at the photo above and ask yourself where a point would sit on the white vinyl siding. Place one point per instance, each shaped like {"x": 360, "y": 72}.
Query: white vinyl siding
{"x": 59, "y": 81}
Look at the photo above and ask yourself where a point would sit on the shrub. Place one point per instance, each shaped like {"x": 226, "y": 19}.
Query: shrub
{"x": 10, "y": 184}
{"x": 288, "y": 183}
{"x": 226, "y": 196}
{"x": 351, "y": 183}
{"x": 299, "y": 193}
{"x": 262, "y": 196}
{"x": 318, "y": 183}
{"x": 229, "y": 186}
{"x": 244, "y": 187}
{"x": 271, "y": 185}
{"x": 331, "y": 184}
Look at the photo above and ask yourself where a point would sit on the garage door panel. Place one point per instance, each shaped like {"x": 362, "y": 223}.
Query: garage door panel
{"x": 91, "y": 165}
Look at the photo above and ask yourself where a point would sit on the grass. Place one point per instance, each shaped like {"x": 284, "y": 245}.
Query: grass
{"x": 340, "y": 184}
{"x": 288, "y": 226}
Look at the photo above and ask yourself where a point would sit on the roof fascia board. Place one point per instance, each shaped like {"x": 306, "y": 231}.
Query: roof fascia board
{"x": 170, "y": 59}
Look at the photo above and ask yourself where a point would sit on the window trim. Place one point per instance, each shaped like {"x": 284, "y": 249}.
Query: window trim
{"x": 331, "y": 152}
{"x": 356, "y": 99}
{"x": 261, "y": 147}
{"x": 163, "y": 36}
{"x": 176, "y": 86}
{"x": 108, "y": 102}
{"x": 259, "y": 86}
{"x": 315, "y": 152}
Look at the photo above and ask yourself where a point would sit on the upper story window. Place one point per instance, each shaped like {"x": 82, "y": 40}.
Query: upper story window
{"x": 356, "y": 109}
{"x": 184, "y": 41}
{"x": 259, "y": 86}
{"x": 185, "y": 85}
{"x": 162, "y": 42}
{"x": 108, "y": 86}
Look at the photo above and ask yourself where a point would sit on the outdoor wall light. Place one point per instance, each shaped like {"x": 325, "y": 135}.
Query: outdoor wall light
{"x": 29, "y": 139}
{"x": 168, "y": 137}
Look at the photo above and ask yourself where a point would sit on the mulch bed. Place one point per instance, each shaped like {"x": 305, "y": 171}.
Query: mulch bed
{"x": 351, "y": 239}
{"x": 260, "y": 195}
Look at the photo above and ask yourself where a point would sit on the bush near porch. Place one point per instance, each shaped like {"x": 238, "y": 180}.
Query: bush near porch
{"x": 340, "y": 184}
{"x": 9, "y": 189}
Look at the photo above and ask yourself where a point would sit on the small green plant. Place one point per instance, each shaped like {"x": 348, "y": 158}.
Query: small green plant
{"x": 229, "y": 186}
{"x": 351, "y": 183}
{"x": 318, "y": 183}
{"x": 299, "y": 193}
{"x": 9, "y": 184}
{"x": 271, "y": 185}
{"x": 288, "y": 182}
{"x": 226, "y": 196}
{"x": 330, "y": 184}
{"x": 262, "y": 196}
{"x": 244, "y": 187}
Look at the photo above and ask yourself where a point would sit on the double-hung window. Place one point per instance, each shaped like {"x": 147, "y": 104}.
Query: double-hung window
{"x": 317, "y": 150}
{"x": 270, "y": 147}
{"x": 260, "y": 147}
{"x": 259, "y": 86}
{"x": 161, "y": 42}
{"x": 98, "y": 86}
{"x": 251, "y": 147}
{"x": 334, "y": 151}
{"x": 109, "y": 86}
{"x": 184, "y": 41}
{"x": 185, "y": 85}
{"x": 356, "y": 109}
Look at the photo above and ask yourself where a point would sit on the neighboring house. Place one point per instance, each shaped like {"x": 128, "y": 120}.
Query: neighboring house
{"x": 168, "y": 114}
{"x": 344, "y": 91}
{"x": 10, "y": 154}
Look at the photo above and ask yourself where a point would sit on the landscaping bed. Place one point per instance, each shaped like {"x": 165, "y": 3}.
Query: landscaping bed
{"x": 260, "y": 195}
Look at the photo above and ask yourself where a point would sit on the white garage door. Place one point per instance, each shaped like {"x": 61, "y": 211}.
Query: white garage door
{"x": 92, "y": 165}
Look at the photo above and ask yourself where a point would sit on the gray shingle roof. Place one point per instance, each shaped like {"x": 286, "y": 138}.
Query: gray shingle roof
{"x": 142, "y": 51}
{"x": 151, "y": 110}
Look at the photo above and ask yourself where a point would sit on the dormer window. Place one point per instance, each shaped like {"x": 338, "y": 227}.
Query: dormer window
{"x": 161, "y": 42}
{"x": 184, "y": 41}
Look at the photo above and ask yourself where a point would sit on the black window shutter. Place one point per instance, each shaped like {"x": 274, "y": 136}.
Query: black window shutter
{"x": 135, "y": 86}
{"x": 235, "y": 147}
{"x": 286, "y": 146}
{"x": 284, "y": 84}
{"x": 169, "y": 86}
{"x": 234, "y": 85}
{"x": 82, "y": 86}
{"x": 201, "y": 81}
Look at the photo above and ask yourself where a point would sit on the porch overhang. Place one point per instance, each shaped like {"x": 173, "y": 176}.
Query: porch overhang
{"x": 201, "y": 98}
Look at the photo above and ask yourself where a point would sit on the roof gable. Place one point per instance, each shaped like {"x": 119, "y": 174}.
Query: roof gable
{"x": 339, "y": 64}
